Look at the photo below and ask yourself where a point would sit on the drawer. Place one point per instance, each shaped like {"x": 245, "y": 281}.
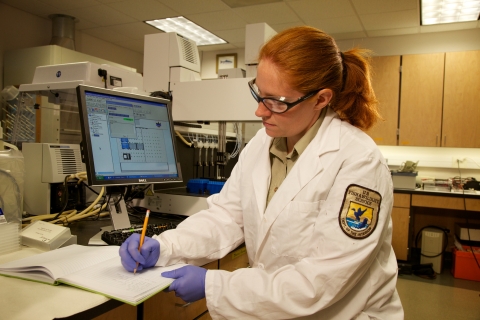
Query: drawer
{"x": 401, "y": 200}
{"x": 236, "y": 259}
{"x": 438, "y": 202}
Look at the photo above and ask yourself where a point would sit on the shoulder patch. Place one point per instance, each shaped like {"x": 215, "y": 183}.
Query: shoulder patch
{"x": 359, "y": 212}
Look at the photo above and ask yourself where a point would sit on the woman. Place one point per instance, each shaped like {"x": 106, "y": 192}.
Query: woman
{"x": 311, "y": 197}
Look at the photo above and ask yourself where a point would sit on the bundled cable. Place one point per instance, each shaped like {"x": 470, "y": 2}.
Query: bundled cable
{"x": 65, "y": 217}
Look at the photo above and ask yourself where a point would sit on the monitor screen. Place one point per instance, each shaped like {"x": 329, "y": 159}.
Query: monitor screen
{"x": 127, "y": 138}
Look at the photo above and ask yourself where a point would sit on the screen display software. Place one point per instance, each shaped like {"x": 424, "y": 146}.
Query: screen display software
{"x": 130, "y": 139}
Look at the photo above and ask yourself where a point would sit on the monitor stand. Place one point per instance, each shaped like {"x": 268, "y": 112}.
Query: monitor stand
{"x": 96, "y": 240}
{"x": 118, "y": 213}
{"x": 119, "y": 216}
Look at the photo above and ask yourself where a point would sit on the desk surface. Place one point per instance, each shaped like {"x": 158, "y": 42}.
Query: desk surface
{"x": 22, "y": 299}
{"x": 420, "y": 191}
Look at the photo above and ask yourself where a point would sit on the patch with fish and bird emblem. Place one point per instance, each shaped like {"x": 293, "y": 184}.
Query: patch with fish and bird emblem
{"x": 358, "y": 216}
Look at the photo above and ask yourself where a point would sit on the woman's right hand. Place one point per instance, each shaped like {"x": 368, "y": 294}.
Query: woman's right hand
{"x": 147, "y": 256}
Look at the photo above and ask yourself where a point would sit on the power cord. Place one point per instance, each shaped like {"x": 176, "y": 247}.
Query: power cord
{"x": 66, "y": 217}
{"x": 445, "y": 231}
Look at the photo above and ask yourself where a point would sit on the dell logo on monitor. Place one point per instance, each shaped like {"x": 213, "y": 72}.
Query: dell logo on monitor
{"x": 142, "y": 180}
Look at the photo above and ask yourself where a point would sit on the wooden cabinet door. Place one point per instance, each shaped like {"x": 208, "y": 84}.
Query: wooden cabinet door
{"x": 421, "y": 100}
{"x": 386, "y": 84}
{"x": 401, "y": 226}
{"x": 461, "y": 111}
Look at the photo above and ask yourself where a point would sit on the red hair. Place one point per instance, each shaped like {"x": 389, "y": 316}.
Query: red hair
{"x": 309, "y": 58}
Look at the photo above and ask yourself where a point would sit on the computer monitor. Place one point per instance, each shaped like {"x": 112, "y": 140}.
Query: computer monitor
{"x": 127, "y": 138}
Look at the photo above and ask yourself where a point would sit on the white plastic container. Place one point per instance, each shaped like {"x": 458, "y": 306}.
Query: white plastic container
{"x": 404, "y": 180}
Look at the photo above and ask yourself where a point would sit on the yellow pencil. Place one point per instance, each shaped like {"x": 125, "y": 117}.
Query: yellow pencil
{"x": 142, "y": 237}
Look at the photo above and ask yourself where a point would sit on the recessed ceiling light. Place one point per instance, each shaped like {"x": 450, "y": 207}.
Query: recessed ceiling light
{"x": 188, "y": 29}
{"x": 448, "y": 11}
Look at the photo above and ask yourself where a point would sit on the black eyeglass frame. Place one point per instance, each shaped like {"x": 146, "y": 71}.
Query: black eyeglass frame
{"x": 288, "y": 104}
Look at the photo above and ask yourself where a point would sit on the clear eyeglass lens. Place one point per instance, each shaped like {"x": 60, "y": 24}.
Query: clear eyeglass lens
{"x": 275, "y": 105}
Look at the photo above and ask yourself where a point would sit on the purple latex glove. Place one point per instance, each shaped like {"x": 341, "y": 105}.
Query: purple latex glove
{"x": 189, "y": 284}
{"x": 147, "y": 256}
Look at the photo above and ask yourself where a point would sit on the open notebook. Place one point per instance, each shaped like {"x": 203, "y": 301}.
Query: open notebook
{"x": 95, "y": 269}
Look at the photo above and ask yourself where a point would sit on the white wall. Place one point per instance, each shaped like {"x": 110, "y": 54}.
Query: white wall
{"x": 209, "y": 62}
{"x": 435, "y": 162}
{"x": 460, "y": 40}
{"x": 20, "y": 30}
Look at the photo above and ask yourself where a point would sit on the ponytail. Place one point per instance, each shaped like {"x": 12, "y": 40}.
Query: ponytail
{"x": 356, "y": 102}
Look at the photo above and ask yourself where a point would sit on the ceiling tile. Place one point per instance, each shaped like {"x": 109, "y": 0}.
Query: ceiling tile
{"x": 391, "y": 20}
{"x": 283, "y": 26}
{"x": 101, "y": 15}
{"x": 380, "y": 6}
{"x": 190, "y": 7}
{"x": 109, "y": 1}
{"x": 71, "y": 4}
{"x": 393, "y": 32}
{"x": 107, "y": 34}
{"x": 135, "y": 30}
{"x": 349, "y": 35}
{"x": 81, "y": 24}
{"x": 337, "y": 25}
{"x": 270, "y": 13}
{"x": 222, "y": 20}
{"x": 232, "y": 36}
{"x": 31, "y": 6}
{"x": 325, "y": 9}
{"x": 146, "y": 10}
{"x": 343, "y": 19}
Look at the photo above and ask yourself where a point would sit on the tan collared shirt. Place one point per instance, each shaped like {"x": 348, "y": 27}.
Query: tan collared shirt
{"x": 282, "y": 162}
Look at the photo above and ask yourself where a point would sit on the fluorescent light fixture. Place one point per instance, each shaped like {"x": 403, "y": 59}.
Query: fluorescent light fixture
{"x": 188, "y": 29}
{"x": 448, "y": 11}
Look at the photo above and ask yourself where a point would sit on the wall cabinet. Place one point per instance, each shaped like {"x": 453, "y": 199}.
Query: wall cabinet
{"x": 433, "y": 102}
{"x": 421, "y": 100}
{"x": 386, "y": 83}
{"x": 461, "y": 111}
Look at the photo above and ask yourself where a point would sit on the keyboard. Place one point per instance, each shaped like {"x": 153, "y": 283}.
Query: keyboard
{"x": 118, "y": 236}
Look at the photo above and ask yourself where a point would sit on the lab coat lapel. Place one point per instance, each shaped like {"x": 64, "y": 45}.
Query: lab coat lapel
{"x": 261, "y": 173}
{"x": 299, "y": 177}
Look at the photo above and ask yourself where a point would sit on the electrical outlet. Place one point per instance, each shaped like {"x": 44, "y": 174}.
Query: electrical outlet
{"x": 457, "y": 161}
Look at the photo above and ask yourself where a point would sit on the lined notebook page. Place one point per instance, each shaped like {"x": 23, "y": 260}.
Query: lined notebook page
{"x": 111, "y": 279}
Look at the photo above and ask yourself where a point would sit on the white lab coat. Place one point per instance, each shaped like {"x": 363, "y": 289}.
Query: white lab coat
{"x": 302, "y": 264}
